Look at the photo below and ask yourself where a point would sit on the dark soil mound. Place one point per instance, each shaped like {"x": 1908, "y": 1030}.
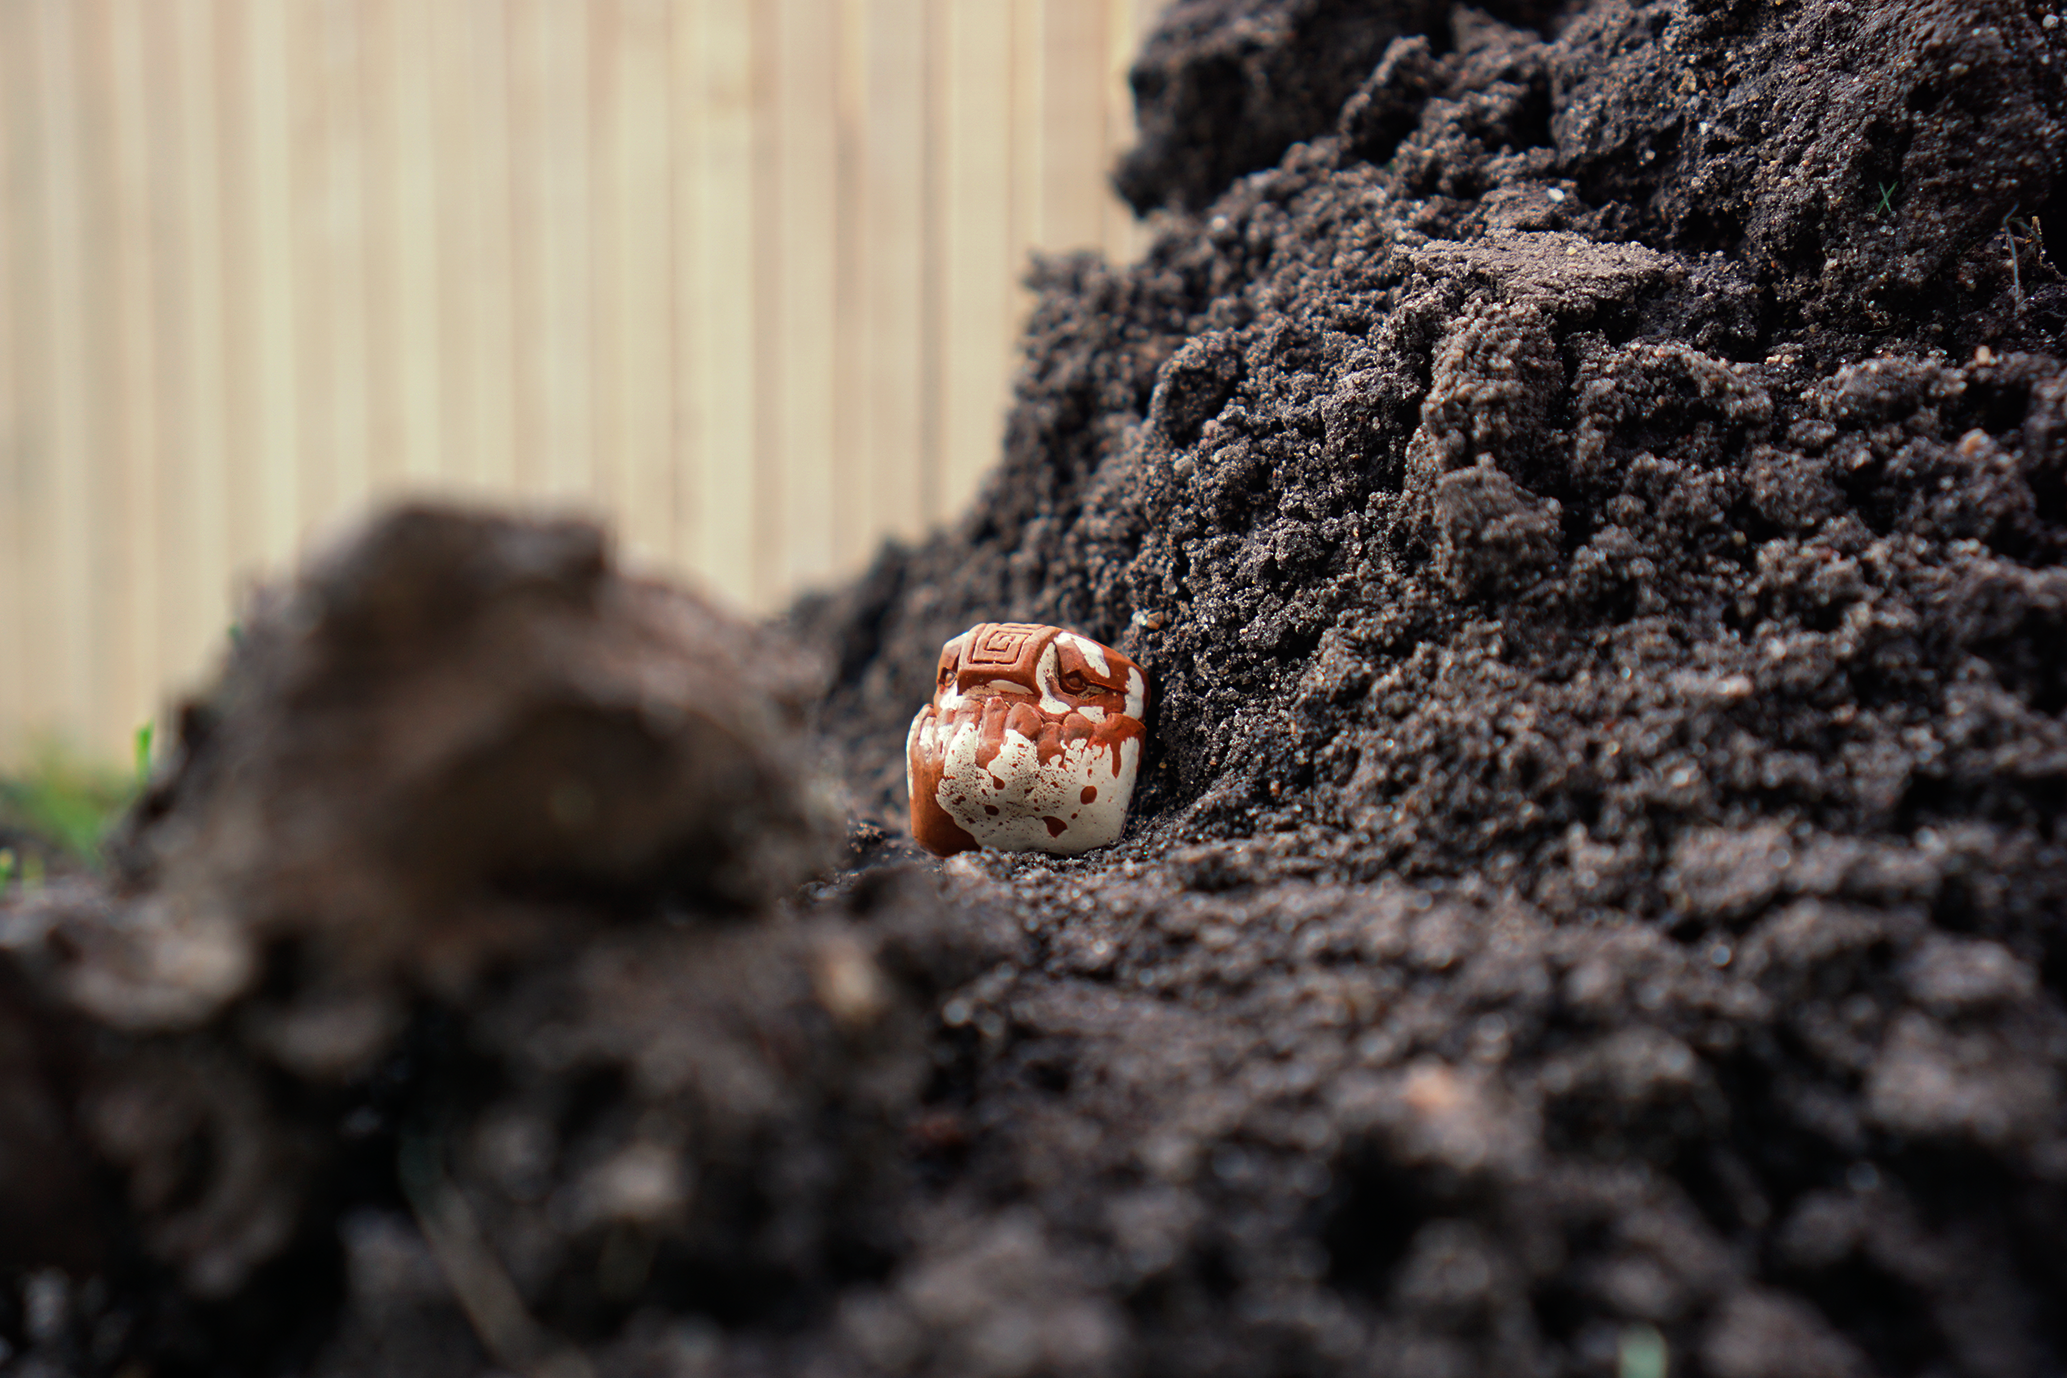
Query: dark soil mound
{"x": 1595, "y": 513}
{"x": 1595, "y": 519}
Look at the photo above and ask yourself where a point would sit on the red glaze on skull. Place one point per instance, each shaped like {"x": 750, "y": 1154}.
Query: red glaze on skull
{"x": 1031, "y": 743}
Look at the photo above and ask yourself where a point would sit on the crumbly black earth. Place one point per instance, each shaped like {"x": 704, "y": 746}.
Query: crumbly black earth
{"x": 1594, "y": 515}
{"x": 1593, "y": 507}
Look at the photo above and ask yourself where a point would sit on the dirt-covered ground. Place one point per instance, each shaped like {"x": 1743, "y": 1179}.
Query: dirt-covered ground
{"x": 1590, "y": 486}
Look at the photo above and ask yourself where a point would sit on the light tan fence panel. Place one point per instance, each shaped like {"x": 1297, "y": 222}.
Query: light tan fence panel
{"x": 269, "y": 518}
{"x": 14, "y": 419}
{"x": 806, "y": 237}
{"x": 977, "y": 296}
{"x": 117, "y": 69}
{"x": 1073, "y": 78}
{"x": 740, "y": 275}
{"x": 330, "y": 185}
{"x": 13, "y": 476}
{"x": 50, "y": 307}
{"x": 725, "y": 253}
{"x": 633, "y": 360}
{"x": 893, "y": 237}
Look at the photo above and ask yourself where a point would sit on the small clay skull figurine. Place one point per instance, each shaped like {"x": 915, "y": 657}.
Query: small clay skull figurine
{"x": 1030, "y": 744}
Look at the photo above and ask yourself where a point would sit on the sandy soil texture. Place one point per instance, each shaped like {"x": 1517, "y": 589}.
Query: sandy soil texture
{"x": 1590, "y": 485}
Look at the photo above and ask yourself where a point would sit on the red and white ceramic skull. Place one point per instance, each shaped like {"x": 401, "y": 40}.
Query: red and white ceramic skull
{"x": 1031, "y": 743}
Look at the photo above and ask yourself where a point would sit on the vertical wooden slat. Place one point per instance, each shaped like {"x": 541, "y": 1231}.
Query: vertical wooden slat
{"x": 257, "y": 60}
{"x": 15, "y": 134}
{"x": 570, "y": 267}
{"x": 1029, "y": 83}
{"x": 897, "y": 502}
{"x": 976, "y": 119}
{"x": 1126, "y": 23}
{"x": 806, "y": 104}
{"x": 932, "y": 272}
{"x": 309, "y": 209}
{"x": 259, "y": 464}
{"x": 1072, "y": 123}
{"x": 387, "y": 354}
{"x": 37, "y": 688}
{"x": 95, "y": 560}
{"x": 685, "y": 275}
{"x": 198, "y": 504}
{"x": 61, "y": 692}
{"x": 482, "y": 223}
{"x": 762, "y": 206}
{"x": 632, "y": 359}
{"x": 134, "y": 378}
{"x": 725, "y": 323}
{"x": 606, "y": 30}
{"x": 188, "y": 532}
{"x": 50, "y": 363}
{"x": 549, "y": 163}
{"x": 402, "y": 317}
{"x": 243, "y": 459}
{"x": 420, "y": 266}
{"x": 121, "y": 655}
{"x": 852, "y": 338}
{"x": 535, "y": 402}
{"x": 645, "y": 262}
{"x": 93, "y": 550}
{"x": 655, "y": 477}
{"x": 456, "y": 206}
{"x": 337, "y": 344}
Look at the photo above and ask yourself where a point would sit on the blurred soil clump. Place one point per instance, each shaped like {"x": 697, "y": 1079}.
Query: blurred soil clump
{"x": 450, "y": 974}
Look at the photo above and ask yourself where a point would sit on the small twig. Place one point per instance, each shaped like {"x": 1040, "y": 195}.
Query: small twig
{"x": 2016, "y": 277}
{"x": 478, "y": 1279}
{"x": 1887, "y": 199}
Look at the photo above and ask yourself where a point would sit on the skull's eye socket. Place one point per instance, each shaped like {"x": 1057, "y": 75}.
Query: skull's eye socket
{"x": 1075, "y": 683}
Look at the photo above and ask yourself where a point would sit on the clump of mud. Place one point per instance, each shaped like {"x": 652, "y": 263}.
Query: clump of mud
{"x": 1593, "y": 503}
{"x": 451, "y": 1001}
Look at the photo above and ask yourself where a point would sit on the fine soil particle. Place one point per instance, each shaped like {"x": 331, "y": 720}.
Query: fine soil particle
{"x": 1590, "y": 486}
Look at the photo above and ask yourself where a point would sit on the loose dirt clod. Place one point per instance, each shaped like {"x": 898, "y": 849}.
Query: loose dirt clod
{"x": 1593, "y": 506}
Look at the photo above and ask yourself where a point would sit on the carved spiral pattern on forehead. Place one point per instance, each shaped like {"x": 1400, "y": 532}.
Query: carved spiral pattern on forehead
{"x": 1002, "y": 643}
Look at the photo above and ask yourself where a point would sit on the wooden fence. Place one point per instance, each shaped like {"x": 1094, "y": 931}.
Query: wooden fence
{"x": 741, "y": 275}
